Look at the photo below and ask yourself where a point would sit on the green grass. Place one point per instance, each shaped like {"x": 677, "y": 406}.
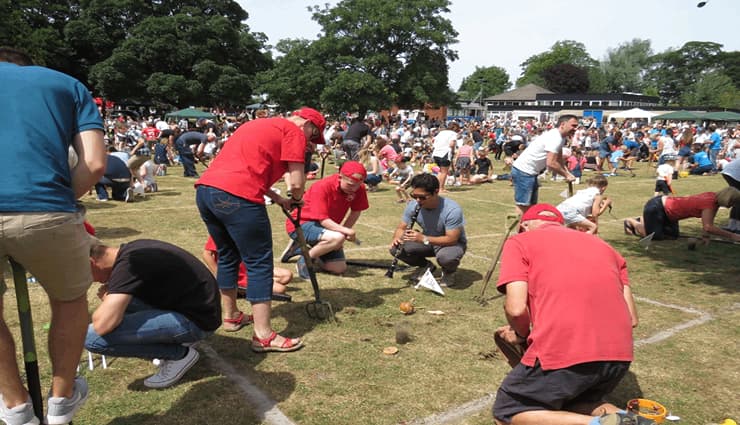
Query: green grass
{"x": 342, "y": 376}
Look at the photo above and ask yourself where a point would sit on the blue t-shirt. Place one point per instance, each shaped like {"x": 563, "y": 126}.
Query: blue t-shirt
{"x": 716, "y": 141}
{"x": 701, "y": 159}
{"x": 447, "y": 216}
{"x": 631, "y": 144}
{"x": 41, "y": 110}
{"x": 614, "y": 156}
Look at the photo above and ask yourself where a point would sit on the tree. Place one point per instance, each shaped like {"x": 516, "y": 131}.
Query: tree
{"x": 403, "y": 46}
{"x": 730, "y": 62}
{"x": 713, "y": 89}
{"x": 197, "y": 59}
{"x": 566, "y": 51}
{"x": 566, "y": 78}
{"x": 624, "y": 67}
{"x": 674, "y": 71}
{"x": 486, "y": 81}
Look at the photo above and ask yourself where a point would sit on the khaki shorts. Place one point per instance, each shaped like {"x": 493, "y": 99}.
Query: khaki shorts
{"x": 136, "y": 161}
{"x": 53, "y": 247}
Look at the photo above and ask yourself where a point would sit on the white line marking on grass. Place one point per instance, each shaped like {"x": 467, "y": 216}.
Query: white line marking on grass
{"x": 470, "y": 408}
{"x": 264, "y": 407}
{"x": 458, "y": 413}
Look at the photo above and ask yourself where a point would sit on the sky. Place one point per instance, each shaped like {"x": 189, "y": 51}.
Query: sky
{"x": 506, "y": 33}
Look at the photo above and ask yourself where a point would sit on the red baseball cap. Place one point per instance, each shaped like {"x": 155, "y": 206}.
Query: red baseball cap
{"x": 545, "y": 212}
{"x": 354, "y": 170}
{"x": 316, "y": 119}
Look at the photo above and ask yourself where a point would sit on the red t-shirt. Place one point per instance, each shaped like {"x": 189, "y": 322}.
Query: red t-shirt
{"x": 575, "y": 284}
{"x": 678, "y": 208}
{"x": 255, "y": 157}
{"x": 324, "y": 200}
{"x": 150, "y": 133}
{"x": 242, "y": 278}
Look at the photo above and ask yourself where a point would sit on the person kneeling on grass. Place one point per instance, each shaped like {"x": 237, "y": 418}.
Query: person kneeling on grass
{"x": 578, "y": 350}
{"x": 661, "y": 214}
{"x": 582, "y": 210}
{"x": 157, "y": 301}
{"x": 234, "y": 319}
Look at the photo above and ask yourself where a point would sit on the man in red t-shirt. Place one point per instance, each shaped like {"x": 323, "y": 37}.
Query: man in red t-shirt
{"x": 230, "y": 197}
{"x": 324, "y": 219}
{"x": 568, "y": 297}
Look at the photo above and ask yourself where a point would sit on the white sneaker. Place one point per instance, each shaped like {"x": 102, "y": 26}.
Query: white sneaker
{"x": 61, "y": 410}
{"x": 170, "y": 371}
{"x": 21, "y": 414}
{"x": 129, "y": 195}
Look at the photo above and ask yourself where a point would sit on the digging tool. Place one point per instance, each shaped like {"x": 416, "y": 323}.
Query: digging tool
{"x": 645, "y": 242}
{"x": 29, "y": 343}
{"x": 374, "y": 265}
{"x": 399, "y": 248}
{"x": 512, "y": 352}
{"x": 570, "y": 189}
{"x": 511, "y": 225}
{"x": 319, "y": 309}
{"x": 323, "y": 156}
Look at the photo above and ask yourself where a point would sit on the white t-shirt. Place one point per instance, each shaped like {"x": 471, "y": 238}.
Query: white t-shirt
{"x": 732, "y": 169}
{"x": 442, "y": 141}
{"x": 664, "y": 171}
{"x": 534, "y": 158}
{"x": 581, "y": 202}
{"x": 669, "y": 146}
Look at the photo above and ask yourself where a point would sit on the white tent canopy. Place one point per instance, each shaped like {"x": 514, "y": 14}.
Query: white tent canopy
{"x": 633, "y": 113}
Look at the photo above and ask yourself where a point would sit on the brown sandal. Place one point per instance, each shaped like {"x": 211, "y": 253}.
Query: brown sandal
{"x": 260, "y": 345}
{"x": 241, "y": 321}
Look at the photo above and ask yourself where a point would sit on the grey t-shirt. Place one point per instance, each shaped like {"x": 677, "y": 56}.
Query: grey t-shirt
{"x": 447, "y": 216}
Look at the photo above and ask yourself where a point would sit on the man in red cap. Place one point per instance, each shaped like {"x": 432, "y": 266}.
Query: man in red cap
{"x": 568, "y": 296}
{"x": 324, "y": 219}
{"x": 230, "y": 198}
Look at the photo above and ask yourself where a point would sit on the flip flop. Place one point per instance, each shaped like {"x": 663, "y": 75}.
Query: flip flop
{"x": 629, "y": 228}
{"x": 260, "y": 345}
{"x": 241, "y": 321}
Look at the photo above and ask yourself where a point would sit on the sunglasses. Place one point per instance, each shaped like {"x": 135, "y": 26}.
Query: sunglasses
{"x": 420, "y": 197}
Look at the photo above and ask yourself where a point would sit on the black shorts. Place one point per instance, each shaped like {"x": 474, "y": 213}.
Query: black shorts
{"x": 657, "y": 222}
{"x": 662, "y": 187}
{"x": 530, "y": 388}
{"x": 442, "y": 161}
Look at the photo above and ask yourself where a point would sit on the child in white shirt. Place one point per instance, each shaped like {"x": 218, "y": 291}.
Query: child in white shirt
{"x": 582, "y": 210}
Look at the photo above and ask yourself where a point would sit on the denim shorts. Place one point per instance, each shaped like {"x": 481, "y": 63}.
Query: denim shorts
{"x": 312, "y": 231}
{"x": 526, "y": 187}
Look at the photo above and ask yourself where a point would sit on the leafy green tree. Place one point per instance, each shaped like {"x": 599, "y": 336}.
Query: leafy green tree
{"x": 566, "y": 51}
{"x": 298, "y": 77}
{"x": 404, "y": 46}
{"x": 730, "y": 62}
{"x": 713, "y": 89}
{"x": 486, "y": 81}
{"x": 674, "y": 71}
{"x": 198, "y": 59}
{"x": 624, "y": 67}
{"x": 566, "y": 78}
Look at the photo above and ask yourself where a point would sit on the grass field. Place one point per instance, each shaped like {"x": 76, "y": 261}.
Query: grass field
{"x": 686, "y": 345}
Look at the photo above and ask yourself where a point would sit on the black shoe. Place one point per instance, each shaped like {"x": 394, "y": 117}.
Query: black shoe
{"x": 422, "y": 270}
{"x": 282, "y": 297}
{"x": 292, "y": 250}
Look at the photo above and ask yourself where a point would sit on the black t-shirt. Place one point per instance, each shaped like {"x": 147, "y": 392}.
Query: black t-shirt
{"x": 356, "y": 131}
{"x": 169, "y": 278}
{"x": 482, "y": 165}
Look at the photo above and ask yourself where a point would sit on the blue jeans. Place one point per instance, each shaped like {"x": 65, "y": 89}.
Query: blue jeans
{"x": 148, "y": 333}
{"x": 713, "y": 154}
{"x": 241, "y": 230}
{"x": 526, "y": 187}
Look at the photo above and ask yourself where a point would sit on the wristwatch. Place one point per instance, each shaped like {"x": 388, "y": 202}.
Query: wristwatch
{"x": 425, "y": 241}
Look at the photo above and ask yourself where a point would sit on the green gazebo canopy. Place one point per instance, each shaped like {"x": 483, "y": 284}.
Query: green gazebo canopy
{"x": 189, "y": 113}
{"x": 722, "y": 116}
{"x": 679, "y": 115}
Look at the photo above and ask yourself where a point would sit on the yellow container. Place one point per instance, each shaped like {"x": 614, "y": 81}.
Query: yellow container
{"x": 683, "y": 174}
{"x": 648, "y": 409}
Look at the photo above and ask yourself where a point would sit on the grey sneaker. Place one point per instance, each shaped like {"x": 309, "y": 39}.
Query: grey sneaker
{"x": 422, "y": 270}
{"x": 170, "y": 371}
{"x": 447, "y": 279}
{"x": 18, "y": 415}
{"x": 129, "y": 195}
{"x": 293, "y": 249}
{"x": 61, "y": 410}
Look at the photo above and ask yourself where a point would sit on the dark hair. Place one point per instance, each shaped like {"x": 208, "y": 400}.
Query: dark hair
{"x": 566, "y": 117}
{"x": 18, "y": 57}
{"x": 425, "y": 181}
